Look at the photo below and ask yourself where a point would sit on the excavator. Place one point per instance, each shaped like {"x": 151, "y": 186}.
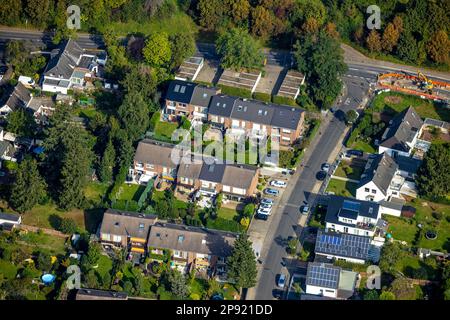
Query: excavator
{"x": 425, "y": 83}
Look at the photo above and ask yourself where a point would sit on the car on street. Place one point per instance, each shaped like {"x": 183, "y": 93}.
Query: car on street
{"x": 265, "y": 206}
{"x": 272, "y": 192}
{"x": 267, "y": 201}
{"x": 325, "y": 167}
{"x": 261, "y": 216}
{"x": 281, "y": 281}
{"x": 321, "y": 175}
{"x": 278, "y": 183}
{"x": 304, "y": 209}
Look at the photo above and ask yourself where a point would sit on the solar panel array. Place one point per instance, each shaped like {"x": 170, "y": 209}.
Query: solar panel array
{"x": 342, "y": 244}
{"x": 322, "y": 275}
{"x": 351, "y": 205}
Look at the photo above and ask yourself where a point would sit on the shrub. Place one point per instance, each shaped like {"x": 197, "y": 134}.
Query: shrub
{"x": 284, "y": 100}
{"x": 265, "y": 97}
{"x": 249, "y": 209}
{"x": 154, "y": 120}
{"x": 232, "y": 91}
{"x": 245, "y": 222}
{"x": 67, "y": 226}
{"x": 437, "y": 215}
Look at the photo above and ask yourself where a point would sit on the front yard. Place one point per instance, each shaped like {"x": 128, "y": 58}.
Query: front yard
{"x": 342, "y": 188}
{"x": 349, "y": 170}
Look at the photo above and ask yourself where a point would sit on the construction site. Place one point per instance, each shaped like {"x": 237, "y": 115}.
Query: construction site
{"x": 419, "y": 85}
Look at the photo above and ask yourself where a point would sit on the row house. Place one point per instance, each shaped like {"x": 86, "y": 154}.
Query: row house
{"x": 402, "y": 133}
{"x": 256, "y": 119}
{"x": 236, "y": 182}
{"x": 192, "y": 248}
{"x": 70, "y": 66}
{"x": 348, "y": 215}
{"x": 129, "y": 230}
{"x": 188, "y": 99}
{"x": 153, "y": 159}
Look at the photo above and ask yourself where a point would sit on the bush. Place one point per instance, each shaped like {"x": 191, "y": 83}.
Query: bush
{"x": 249, "y": 209}
{"x": 68, "y": 226}
{"x": 437, "y": 215}
{"x": 265, "y": 97}
{"x": 154, "y": 120}
{"x": 232, "y": 91}
{"x": 224, "y": 224}
{"x": 284, "y": 101}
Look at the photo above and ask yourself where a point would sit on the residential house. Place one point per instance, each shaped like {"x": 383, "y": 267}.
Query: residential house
{"x": 192, "y": 248}
{"x": 327, "y": 280}
{"x": 235, "y": 181}
{"x": 153, "y": 159}
{"x": 352, "y": 216}
{"x": 8, "y": 146}
{"x": 19, "y": 98}
{"x": 402, "y": 133}
{"x": 188, "y": 99}
{"x": 332, "y": 245}
{"x": 94, "y": 294}
{"x": 69, "y": 67}
{"x": 256, "y": 119}
{"x": 129, "y": 230}
{"x": 382, "y": 178}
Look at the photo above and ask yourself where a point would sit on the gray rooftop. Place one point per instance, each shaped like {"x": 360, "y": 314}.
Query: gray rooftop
{"x": 180, "y": 91}
{"x": 149, "y": 151}
{"x": 64, "y": 60}
{"x": 381, "y": 170}
{"x": 9, "y": 217}
{"x": 407, "y": 164}
{"x": 402, "y": 129}
{"x": 19, "y": 98}
{"x": 202, "y": 95}
{"x": 342, "y": 245}
{"x": 125, "y": 223}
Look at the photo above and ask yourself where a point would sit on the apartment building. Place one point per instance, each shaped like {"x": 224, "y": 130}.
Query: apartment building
{"x": 188, "y": 99}
{"x": 192, "y": 248}
{"x": 256, "y": 119}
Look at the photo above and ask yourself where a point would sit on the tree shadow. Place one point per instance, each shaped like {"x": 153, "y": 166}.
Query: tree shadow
{"x": 92, "y": 219}
{"x": 55, "y": 221}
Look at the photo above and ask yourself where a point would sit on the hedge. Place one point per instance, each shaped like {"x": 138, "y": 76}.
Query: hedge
{"x": 284, "y": 100}
{"x": 154, "y": 120}
{"x": 232, "y": 91}
{"x": 265, "y": 97}
{"x": 352, "y": 138}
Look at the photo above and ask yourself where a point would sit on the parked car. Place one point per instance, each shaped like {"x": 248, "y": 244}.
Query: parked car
{"x": 304, "y": 209}
{"x": 264, "y": 211}
{"x": 262, "y": 216}
{"x": 325, "y": 167}
{"x": 265, "y": 206}
{"x": 267, "y": 201}
{"x": 281, "y": 281}
{"x": 321, "y": 175}
{"x": 278, "y": 183}
{"x": 357, "y": 153}
{"x": 272, "y": 192}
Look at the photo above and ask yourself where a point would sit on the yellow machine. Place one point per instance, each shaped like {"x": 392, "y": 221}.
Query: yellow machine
{"x": 425, "y": 82}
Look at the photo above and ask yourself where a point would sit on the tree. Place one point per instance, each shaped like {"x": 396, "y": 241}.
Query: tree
{"x": 157, "y": 51}
{"x": 68, "y": 226}
{"x": 320, "y": 59}
{"x": 386, "y": 295}
{"x": 43, "y": 261}
{"x": 351, "y": 116}
{"x": 262, "y": 22}
{"x": 107, "y": 163}
{"x": 292, "y": 245}
{"x": 143, "y": 80}
{"x": 242, "y": 263}
{"x": 373, "y": 41}
{"x": 29, "y": 187}
{"x": 249, "y": 209}
{"x": 407, "y": 48}
{"x": 434, "y": 172}
{"x": 438, "y": 47}
{"x": 390, "y": 37}
{"x": 390, "y": 255}
{"x": 93, "y": 254}
{"x": 331, "y": 30}
{"x": 238, "y": 50}
{"x": 134, "y": 115}
{"x": 21, "y": 123}
{"x": 37, "y": 11}
{"x": 371, "y": 295}
{"x": 305, "y": 9}
{"x": 178, "y": 285}
{"x": 238, "y": 10}
{"x": 182, "y": 46}
{"x": 10, "y": 12}
{"x": 211, "y": 13}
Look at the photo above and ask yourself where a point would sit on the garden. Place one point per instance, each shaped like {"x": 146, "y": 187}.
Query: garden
{"x": 342, "y": 188}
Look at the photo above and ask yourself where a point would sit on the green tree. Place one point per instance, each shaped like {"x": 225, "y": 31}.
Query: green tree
{"x": 38, "y": 12}
{"x": 134, "y": 115}
{"x": 178, "y": 285}
{"x": 29, "y": 187}
{"x": 403, "y": 289}
{"x": 386, "y": 295}
{"x": 371, "y": 295}
{"x": 107, "y": 163}
{"x": 143, "y": 80}
{"x": 93, "y": 254}
{"x": 157, "y": 51}
{"x": 434, "y": 172}
{"x": 238, "y": 50}
{"x": 68, "y": 226}
{"x": 262, "y": 22}
{"x": 320, "y": 59}
{"x": 242, "y": 263}
{"x": 407, "y": 48}
{"x": 43, "y": 261}
{"x": 182, "y": 46}
{"x": 21, "y": 123}
{"x": 249, "y": 209}
{"x": 438, "y": 47}
{"x": 390, "y": 255}
{"x": 10, "y": 12}
{"x": 351, "y": 116}
{"x": 211, "y": 13}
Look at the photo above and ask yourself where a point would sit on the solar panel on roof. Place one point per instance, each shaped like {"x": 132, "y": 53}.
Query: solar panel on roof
{"x": 350, "y": 205}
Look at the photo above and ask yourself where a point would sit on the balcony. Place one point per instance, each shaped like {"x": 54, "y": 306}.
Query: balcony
{"x": 365, "y": 226}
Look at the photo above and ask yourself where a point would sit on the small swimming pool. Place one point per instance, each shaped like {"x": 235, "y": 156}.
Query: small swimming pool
{"x": 48, "y": 278}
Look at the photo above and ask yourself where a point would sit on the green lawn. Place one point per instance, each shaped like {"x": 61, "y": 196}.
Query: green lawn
{"x": 165, "y": 129}
{"x": 8, "y": 270}
{"x": 406, "y": 229}
{"x": 363, "y": 146}
{"x": 349, "y": 171}
{"x": 104, "y": 265}
{"x": 95, "y": 191}
{"x": 227, "y": 213}
{"x": 158, "y": 195}
{"x": 393, "y": 102}
{"x": 409, "y": 263}
{"x": 43, "y": 242}
{"x": 130, "y": 192}
{"x": 342, "y": 188}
